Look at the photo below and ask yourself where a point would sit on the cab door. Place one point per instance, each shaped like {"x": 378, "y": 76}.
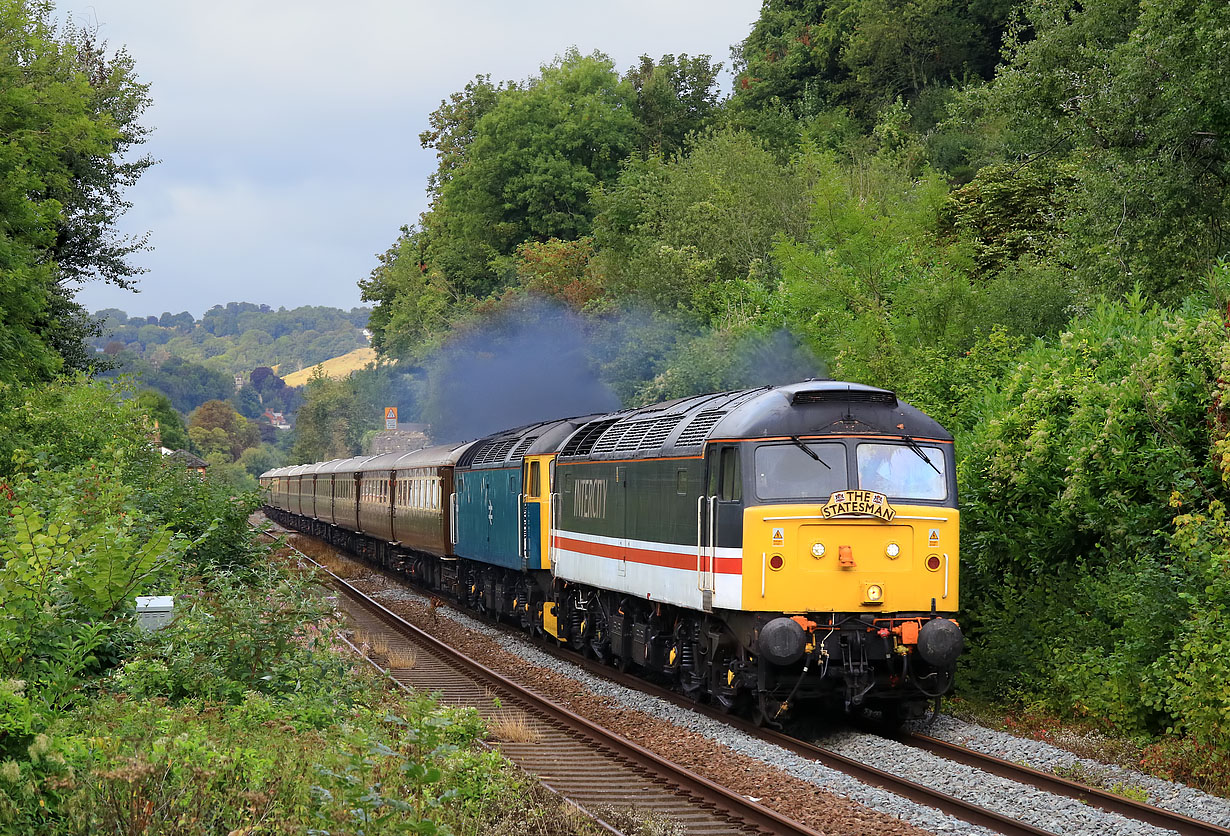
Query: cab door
{"x": 535, "y": 512}
{"x": 719, "y": 515}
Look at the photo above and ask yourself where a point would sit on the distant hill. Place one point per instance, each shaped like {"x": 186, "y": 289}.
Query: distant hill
{"x": 236, "y": 338}
{"x": 192, "y": 361}
{"x": 335, "y": 367}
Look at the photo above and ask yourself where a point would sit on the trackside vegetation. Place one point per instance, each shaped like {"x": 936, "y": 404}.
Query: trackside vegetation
{"x": 240, "y": 716}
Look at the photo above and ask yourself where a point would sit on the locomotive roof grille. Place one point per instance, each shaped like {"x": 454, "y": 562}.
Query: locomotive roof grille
{"x": 809, "y": 396}
{"x": 519, "y": 452}
{"x": 658, "y": 430}
{"x": 494, "y": 451}
{"x": 695, "y": 433}
{"x": 611, "y": 438}
{"x": 634, "y": 435}
{"x": 583, "y": 440}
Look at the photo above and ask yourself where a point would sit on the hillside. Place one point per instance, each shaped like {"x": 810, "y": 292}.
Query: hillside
{"x": 236, "y": 338}
{"x": 336, "y": 368}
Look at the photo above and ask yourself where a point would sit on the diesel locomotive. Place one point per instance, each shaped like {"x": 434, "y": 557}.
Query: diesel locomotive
{"x": 763, "y": 549}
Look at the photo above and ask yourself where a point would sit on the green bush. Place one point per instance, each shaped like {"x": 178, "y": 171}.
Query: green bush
{"x": 74, "y": 552}
{"x": 205, "y": 510}
{"x": 233, "y": 635}
{"x": 379, "y": 766}
{"x": 18, "y": 720}
{"x": 1094, "y": 542}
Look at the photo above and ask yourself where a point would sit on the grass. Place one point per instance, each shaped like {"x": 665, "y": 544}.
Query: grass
{"x": 514, "y": 728}
{"x": 399, "y": 659}
{"x": 328, "y": 557}
{"x": 1102, "y": 779}
{"x": 335, "y": 367}
{"x": 635, "y": 822}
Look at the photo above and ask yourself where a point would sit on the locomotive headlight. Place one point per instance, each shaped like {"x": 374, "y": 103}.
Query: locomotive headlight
{"x": 873, "y": 593}
{"x": 817, "y": 550}
{"x": 893, "y": 551}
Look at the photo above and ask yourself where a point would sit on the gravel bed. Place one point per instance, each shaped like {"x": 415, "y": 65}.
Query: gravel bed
{"x": 808, "y": 792}
{"x": 800, "y": 768}
{"x": 1170, "y": 795}
{"x": 1054, "y": 813}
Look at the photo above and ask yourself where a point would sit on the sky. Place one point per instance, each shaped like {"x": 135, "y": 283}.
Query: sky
{"x": 287, "y": 130}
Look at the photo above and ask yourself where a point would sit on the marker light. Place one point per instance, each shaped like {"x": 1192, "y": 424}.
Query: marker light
{"x": 933, "y": 562}
{"x": 817, "y": 550}
{"x": 893, "y": 551}
{"x": 776, "y": 562}
{"x": 873, "y": 593}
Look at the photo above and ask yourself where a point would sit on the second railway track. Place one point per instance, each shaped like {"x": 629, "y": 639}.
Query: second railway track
{"x": 919, "y": 792}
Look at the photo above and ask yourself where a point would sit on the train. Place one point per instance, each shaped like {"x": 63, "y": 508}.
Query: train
{"x": 765, "y": 550}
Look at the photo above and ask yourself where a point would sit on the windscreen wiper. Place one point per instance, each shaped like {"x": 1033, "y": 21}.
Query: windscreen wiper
{"x": 914, "y": 445}
{"x": 812, "y": 452}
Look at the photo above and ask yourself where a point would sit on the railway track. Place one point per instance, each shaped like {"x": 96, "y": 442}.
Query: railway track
{"x": 575, "y": 758}
{"x": 917, "y": 792}
{"x": 1025, "y": 775}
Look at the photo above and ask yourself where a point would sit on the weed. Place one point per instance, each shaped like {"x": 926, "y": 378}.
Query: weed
{"x": 514, "y": 728}
{"x": 1080, "y": 773}
{"x": 399, "y": 659}
{"x": 1132, "y": 791}
{"x": 634, "y": 822}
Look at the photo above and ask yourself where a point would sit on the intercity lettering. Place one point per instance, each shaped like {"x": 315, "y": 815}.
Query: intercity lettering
{"x": 589, "y": 500}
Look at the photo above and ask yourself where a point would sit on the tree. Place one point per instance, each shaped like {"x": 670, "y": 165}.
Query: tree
{"x": 560, "y": 270}
{"x": 1135, "y": 98}
{"x": 216, "y": 427}
{"x": 454, "y": 125}
{"x": 247, "y": 402}
{"x": 674, "y": 98}
{"x": 265, "y": 380}
{"x": 527, "y": 173}
{"x": 675, "y": 234}
{"x": 170, "y": 425}
{"x": 187, "y": 384}
{"x": 414, "y": 304}
{"x": 69, "y": 115}
{"x": 331, "y": 422}
{"x": 810, "y": 55}
{"x": 182, "y": 320}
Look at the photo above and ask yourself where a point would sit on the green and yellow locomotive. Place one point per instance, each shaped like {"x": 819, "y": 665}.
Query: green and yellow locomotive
{"x": 773, "y": 547}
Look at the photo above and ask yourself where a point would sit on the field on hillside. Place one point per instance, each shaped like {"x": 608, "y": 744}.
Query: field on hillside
{"x": 335, "y": 367}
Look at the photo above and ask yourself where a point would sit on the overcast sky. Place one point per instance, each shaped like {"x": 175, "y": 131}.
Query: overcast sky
{"x": 288, "y": 131}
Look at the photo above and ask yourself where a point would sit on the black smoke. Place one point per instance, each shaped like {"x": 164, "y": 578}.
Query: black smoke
{"x": 526, "y": 363}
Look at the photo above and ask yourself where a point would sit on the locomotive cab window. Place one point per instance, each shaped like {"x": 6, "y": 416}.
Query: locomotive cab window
{"x": 787, "y": 471}
{"x": 726, "y": 475}
{"x": 535, "y": 480}
{"x": 901, "y": 470}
